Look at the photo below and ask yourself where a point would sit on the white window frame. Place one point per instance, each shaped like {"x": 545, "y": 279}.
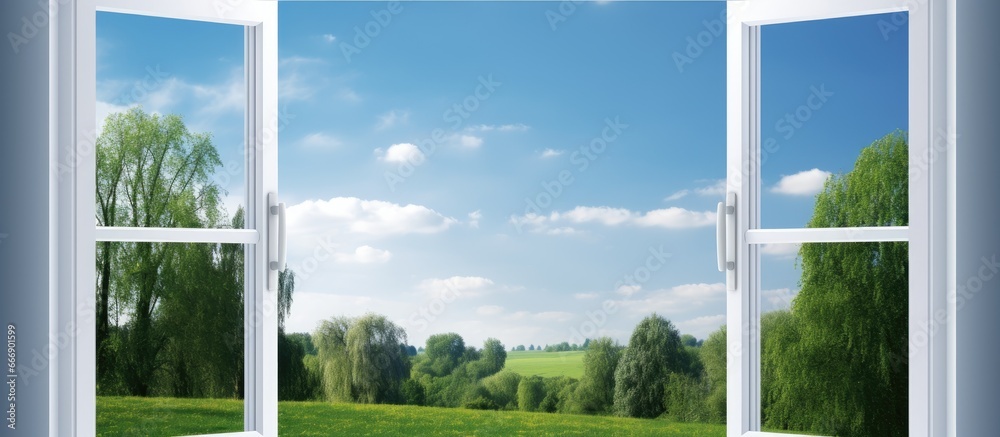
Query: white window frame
{"x": 931, "y": 186}
{"x": 72, "y": 84}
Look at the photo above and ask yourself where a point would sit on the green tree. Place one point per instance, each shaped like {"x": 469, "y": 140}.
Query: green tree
{"x": 714, "y": 360}
{"x": 530, "y": 392}
{"x": 295, "y": 382}
{"x": 332, "y": 358}
{"x": 502, "y": 388}
{"x": 596, "y": 391}
{"x": 444, "y": 353}
{"x": 654, "y": 352}
{"x": 151, "y": 172}
{"x": 286, "y": 286}
{"x": 491, "y": 360}
{"x": 378, "y": 364}
{"x": 689, "y": 340}
{"x": 362, "y": 360}
{"x": 684, "y": 398}
{"x": 304, "y": 339}
{"x": 846, "y": 374}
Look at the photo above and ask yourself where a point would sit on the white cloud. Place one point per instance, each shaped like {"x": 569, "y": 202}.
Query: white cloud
{"x": 489, "y": 310}
{"x": 669, "y": 218}
{"x": 364, "y": 255}
{"x": 201, "y": 102}
{"x": 628, "y": 290}
{"x": 470, "y": 141}
{"x": 299, "y": 78}
{"x": 804, "y": 183}
{"x": 374, "y": 217}
{"x": 104, "y": 109}
{"x": 349, "y": 95}
{"x": 676, "y": 218}
{"x": 319, "y": 141}
{"x": 552, "y": 153}
{"x": 402, "y": 152}
{"x": 534, "y": 222}
{"x": 517, "y": 127}
{"x": 677, "y": 195}
{"x": 553, "y": 316}
{"x": 781, "y": 250}
{"x": 779, "y": 298}
{"x": 329, "y": 38}
{"x": 702, "y": 327}
{"x": 565, "y": 230}
{"x": 518, "y": 315}
{"x": 456, "y": 287}
{"x": 474, "y": 218}
{"x": 391, "y": 119}
{"x": 677, "y": 299}
{"x": 585, "y": 295}
{"x": 699, "y": 291}
{"x": 602, "y": 214}
{"x": 717, "y": 188}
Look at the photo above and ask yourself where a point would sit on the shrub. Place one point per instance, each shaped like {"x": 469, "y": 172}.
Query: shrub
{"x": 685, "y": 398}
{"x": 481, "y": 403}
{"x": 413, "y": 393}
{"x": 502, "y": 388}
{"x": 530, "y": 392}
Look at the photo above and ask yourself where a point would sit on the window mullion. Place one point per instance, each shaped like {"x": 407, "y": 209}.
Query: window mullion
{"x": 827, "y": 235}
{"x": 178, "y": 235}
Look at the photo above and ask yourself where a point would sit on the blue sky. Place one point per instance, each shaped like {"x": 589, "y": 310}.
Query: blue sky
{"x": 454, "y": 218}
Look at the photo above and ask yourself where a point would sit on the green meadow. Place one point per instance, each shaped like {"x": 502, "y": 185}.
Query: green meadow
{"x": 546, "y": 364}
{"x": 132, "y": 416}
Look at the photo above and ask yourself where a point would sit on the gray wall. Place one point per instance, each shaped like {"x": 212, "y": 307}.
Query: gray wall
{"x": 24, "y": 213}
{"x": 978, "y": 370}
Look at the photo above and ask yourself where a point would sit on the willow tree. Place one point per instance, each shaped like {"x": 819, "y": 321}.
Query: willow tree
{"x": 848, "y": 346}
{"x": 654, "y": 352}
{"x": 362, "y": 360}
{"x": 597, "y": 385}
{"x": 151, "y": 172}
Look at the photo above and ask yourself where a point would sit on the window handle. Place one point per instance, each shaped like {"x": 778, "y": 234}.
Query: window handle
{"x": 276, "y": 239}
{"x": 730, "y": 241}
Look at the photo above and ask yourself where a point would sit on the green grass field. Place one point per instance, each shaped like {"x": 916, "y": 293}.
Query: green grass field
{"x": 546, "y": 364}
{"x": 118, "y": 416}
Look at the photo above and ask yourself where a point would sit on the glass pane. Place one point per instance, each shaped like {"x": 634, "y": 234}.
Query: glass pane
{"x": 834, "y": 340}
{"x": 523, "y": 187}
{"x": 170, "y": 114}
{"x": 834, "y": 96}
{"x": 170, "y": 349}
